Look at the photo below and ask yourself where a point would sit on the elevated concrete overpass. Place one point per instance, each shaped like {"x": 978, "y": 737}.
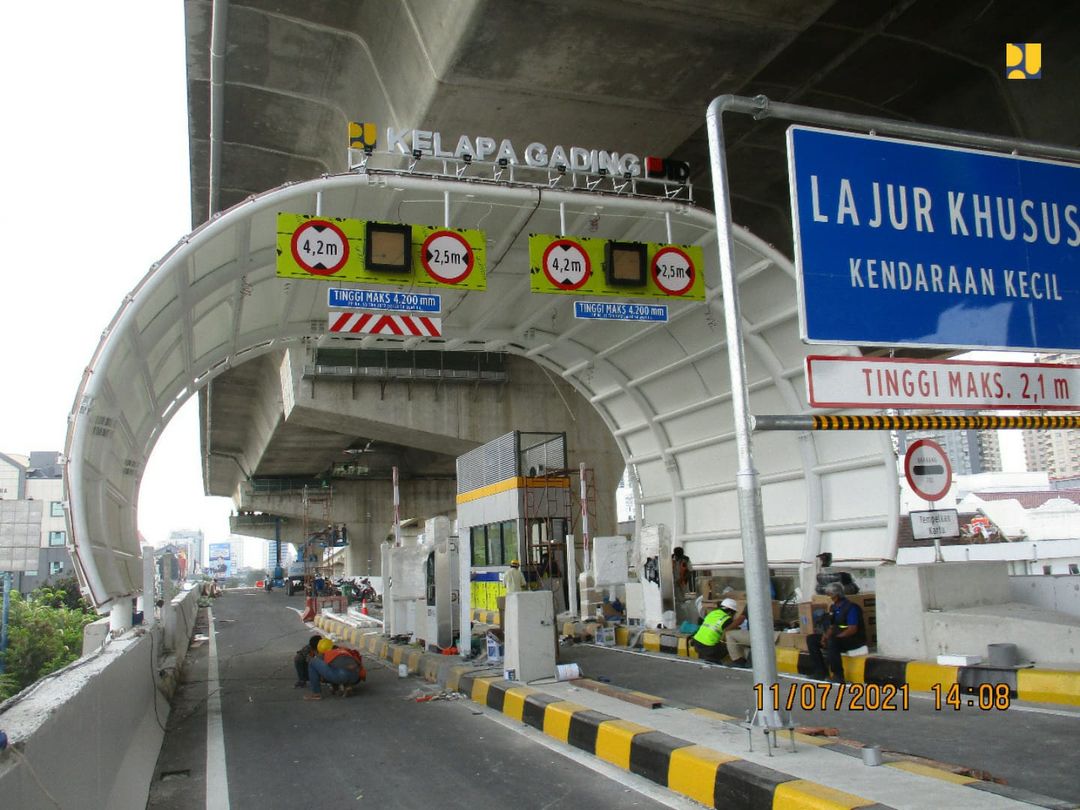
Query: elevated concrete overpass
{"x": 270, "y": 93}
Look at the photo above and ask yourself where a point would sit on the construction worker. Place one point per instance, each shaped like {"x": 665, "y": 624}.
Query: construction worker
{"x": 515, "y": 580}
{"x": 708, "y": 637}
{"x": 335, "y": 665}
{"x": 846, "y": 631}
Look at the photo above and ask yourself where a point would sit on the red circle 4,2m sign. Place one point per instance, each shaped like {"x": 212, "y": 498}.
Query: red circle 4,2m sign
{"x": 320, "y": 247}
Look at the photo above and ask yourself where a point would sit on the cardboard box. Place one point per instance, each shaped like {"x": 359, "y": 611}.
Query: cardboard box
{"x": 796, "y": 641}
{"x": 811, "y": 613}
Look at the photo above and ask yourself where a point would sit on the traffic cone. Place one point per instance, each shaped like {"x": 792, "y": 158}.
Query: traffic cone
{"x": 309, "y": 612}
{"x": 363, "y": 607}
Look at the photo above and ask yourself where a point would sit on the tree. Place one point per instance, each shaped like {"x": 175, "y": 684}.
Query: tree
{"x": 44, "y": 634}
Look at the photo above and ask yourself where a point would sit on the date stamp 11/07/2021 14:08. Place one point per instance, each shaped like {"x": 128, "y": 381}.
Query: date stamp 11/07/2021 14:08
{"x": 874, "y": 697}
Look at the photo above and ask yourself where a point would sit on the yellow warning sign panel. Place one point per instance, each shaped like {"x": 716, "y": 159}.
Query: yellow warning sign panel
{"x": 336, "y": 249}
{"x": 577, "y": 265}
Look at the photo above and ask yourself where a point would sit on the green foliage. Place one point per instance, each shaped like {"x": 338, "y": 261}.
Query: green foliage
{"x": 44, "y": 635}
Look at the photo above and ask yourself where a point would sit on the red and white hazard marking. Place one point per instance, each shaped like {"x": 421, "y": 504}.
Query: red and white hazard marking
{"x": 375, "y": 323}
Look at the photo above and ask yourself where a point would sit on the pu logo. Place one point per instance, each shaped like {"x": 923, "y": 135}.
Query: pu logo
{"x": 1023, "y": 60}
{"x": 362, "y": 136}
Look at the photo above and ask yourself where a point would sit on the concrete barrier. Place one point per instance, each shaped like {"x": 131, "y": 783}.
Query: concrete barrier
{"x": 89, "y": 735}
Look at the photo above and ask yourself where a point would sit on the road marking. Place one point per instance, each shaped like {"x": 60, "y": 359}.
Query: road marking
{"x": 217, "y": 779}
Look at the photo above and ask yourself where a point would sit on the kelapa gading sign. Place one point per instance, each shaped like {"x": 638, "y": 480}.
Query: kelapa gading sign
{"x": 904, "y": 244}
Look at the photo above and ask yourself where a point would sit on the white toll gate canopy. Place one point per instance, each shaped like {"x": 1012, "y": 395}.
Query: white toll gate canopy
{"x": 662, "y": 387}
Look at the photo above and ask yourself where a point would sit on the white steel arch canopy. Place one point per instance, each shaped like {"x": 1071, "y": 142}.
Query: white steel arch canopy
{"x": 663, "y": 389}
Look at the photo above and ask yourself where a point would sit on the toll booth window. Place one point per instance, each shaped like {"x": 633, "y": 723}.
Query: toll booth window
{"x": 479, "y": 545}
{"x": 509, "y": 541}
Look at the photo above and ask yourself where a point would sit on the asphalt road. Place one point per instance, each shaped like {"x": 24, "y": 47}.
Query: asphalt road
{"x": 1030, "y": 746}
{"x": 378, "y": 748}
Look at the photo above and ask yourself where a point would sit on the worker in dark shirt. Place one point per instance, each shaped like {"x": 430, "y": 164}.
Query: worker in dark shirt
{"x": 846, "y": 631}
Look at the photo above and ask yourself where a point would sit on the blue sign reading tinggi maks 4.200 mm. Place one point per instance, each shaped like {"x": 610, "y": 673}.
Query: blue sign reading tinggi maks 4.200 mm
{"x": 904, "y": 244}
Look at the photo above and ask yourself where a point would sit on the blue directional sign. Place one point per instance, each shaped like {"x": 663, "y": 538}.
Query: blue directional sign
{"x": 600, "y": 310}
{"x": 904, "y": 244}
{"x": 344, "y": 298}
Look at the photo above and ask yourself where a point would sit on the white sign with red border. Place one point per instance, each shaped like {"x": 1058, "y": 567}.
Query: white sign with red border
{"x": 673, "y": 271}
{"x": 566, "y": 264}
{"x": 928, "y": 470}
{"x": 320, "y": 247}
{"x": 447, "y": 257}
{"x": 875, "y": 382}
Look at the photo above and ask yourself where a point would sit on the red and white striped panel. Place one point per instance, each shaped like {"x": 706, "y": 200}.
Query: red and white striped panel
{"x": 374, "y": 323}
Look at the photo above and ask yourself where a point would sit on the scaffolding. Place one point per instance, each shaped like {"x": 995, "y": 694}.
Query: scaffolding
{"x": 318, "y": 532}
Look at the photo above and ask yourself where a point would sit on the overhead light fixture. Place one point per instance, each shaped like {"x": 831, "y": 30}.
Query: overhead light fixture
{"x": 467, "y": 158}
{"x": 625, "y": 264}
{"x": 503, "y": 162}
{"x": 388, "y": 247}
{"x": 560, "y": 168}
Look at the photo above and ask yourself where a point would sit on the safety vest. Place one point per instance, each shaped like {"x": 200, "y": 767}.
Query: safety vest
{"x": 712, "y": 628}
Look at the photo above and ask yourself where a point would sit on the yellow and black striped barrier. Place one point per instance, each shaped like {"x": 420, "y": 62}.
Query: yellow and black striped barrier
{"x": 914, "y": 422}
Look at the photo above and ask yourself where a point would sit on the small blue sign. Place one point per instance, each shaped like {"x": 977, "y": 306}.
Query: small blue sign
{"x": 905, "y": 244}
{"x": 601, "y": 310}
{"x": 343, "y": 298}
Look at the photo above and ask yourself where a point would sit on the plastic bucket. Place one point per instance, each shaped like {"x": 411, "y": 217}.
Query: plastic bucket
{"x": 567, "y": 672}
{"x": 871, "y": 755}
{"x": 1002, "y": 655}
{"x": 403, "y": 670}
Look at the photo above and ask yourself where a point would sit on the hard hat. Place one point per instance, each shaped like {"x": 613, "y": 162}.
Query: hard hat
{"x": 325, "y": 645}
{"x": 515, "y": 563}
{"x": 729, "y": 604}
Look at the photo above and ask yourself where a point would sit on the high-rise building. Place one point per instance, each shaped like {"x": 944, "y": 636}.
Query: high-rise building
{"x": 1056, "y": 452}
{"x": 191, "y": 541}
{"x": 33, "y": 525}
{"x": 970, "y": 451}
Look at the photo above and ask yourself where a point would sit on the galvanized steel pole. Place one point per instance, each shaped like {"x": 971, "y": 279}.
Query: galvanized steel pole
{"x": 751, "y": 516}
{"x": 4, "y": 619}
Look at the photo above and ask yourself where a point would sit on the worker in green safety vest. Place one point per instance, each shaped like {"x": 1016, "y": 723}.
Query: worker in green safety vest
{"x": 708, "y": 637}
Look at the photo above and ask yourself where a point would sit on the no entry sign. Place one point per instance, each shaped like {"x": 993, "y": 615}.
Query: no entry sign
{"x": 927, "y": 470}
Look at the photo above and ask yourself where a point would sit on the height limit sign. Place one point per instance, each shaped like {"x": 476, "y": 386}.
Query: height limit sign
{"x": 566, "y": 264}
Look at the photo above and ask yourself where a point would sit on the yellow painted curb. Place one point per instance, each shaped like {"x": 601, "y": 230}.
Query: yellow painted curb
{"x": 557, "y": 719}
{"x": 613, "y": 739}
{"x": 1048, "y": 686}
{"x": 692, "y": 772}
{"x": 801, "y": 794}
{"x": 933, "y": 773}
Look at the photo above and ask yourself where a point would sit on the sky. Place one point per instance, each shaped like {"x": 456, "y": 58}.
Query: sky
{"x": 96, "y": 189}
{"x": 95, "y": 153}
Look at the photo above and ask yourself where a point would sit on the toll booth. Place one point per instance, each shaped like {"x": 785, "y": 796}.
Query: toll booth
{"x": 442, "y": 584}
{"x": 514, "y": 502}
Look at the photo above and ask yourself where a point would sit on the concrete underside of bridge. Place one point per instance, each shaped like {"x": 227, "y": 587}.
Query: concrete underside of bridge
{"x": 339, "y": 424}
{"x": 271, "y": 107}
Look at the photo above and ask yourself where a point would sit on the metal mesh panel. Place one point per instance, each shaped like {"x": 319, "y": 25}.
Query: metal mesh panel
{"x": 488, "y": 464}
{"x": 542, "y": 453}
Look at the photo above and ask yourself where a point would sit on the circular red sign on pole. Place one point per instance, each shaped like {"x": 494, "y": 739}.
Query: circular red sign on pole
{"x": 673, "y": 271}
{"x": 928, "y": 470}
{"x": 447, "y": 257}
{"x": 566, "y": 264}
{"x": 320, "y": 247}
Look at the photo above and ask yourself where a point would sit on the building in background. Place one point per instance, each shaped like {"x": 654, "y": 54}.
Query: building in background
{"x": 1056, "y": 452}
{"x": 187, "y": 544}
{"x": 970, "y": 452}
{"x": 33, "y": 529}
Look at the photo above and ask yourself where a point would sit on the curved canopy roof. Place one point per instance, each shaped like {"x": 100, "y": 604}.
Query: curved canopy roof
{"x": 663, "y": 389}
